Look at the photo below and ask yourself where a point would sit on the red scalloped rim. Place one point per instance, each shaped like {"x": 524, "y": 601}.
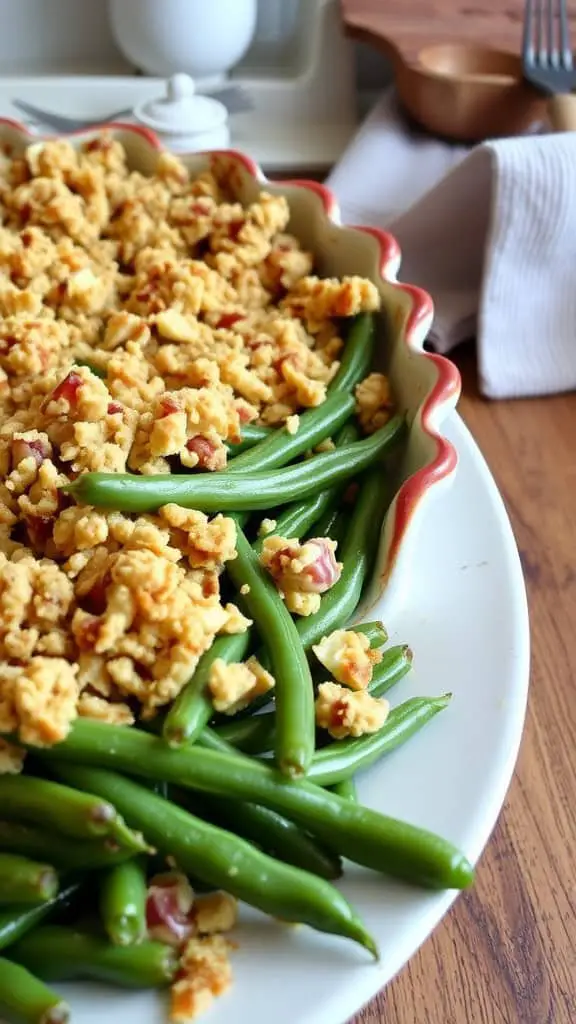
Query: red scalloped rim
{"x": 137, "y": 129}
{"x": 447, "y": 386}
{"x": 445, "y": 390}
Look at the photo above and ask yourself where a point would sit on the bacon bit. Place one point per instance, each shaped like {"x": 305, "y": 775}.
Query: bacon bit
{"x": 245, "y": 415}
{"x": 114, "y": 408}
{"x": 37, "y": 449}
{"x": 234, "y": 229}
{"x": 200, "y": 208}
{"x": 88, "y": 634}
{"x": 168, "y": 406}
{"x": 169, "y": 908}
{"x": 325, "y": 570}
{"x": 39, "y": 530}
{"x": 67, "y": 388}
{"x": 210, "y": 585}
{"x": 338, "y": 713}
{"x": 229, "y": 319}
{"x": 7, "y": 343}
{"x": 202, "y": 448}
{"x": 100, "y": 144}
{"x": 27, "y": 238}
{"x": 279, "y": 364}
{"x": 309, "y": 568}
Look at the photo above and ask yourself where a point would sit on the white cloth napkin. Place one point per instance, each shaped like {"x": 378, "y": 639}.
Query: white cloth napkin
{"x": 490, "y": 233}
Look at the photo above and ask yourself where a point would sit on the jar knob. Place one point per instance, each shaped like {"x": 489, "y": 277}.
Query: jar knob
{"x": 180, "y": 87}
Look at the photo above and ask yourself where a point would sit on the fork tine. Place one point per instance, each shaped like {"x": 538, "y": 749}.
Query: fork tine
{"x": 566, "y": 59}
{"x": 553, "y": 55}
{"x": 527, "y": 43}
{"x": 541, "y": 47}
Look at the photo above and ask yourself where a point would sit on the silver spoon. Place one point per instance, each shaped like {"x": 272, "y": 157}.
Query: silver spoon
{"x": 234, "y": 97}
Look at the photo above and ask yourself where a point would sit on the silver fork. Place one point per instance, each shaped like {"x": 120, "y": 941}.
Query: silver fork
{"x": 234, "y": 97}
{"x": 547, "y": 59}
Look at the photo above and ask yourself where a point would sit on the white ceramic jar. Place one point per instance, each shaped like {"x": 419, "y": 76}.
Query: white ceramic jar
{"x": 204, "y": 38}
{"x": 183, "y": 121}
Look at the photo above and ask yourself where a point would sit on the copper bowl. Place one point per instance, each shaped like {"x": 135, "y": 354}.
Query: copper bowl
{"x": 466, "y": 92}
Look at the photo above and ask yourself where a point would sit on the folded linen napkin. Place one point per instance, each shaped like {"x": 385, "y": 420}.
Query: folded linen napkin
{"x": 489, "y": 232}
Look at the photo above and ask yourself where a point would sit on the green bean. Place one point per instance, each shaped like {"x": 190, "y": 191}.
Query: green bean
{"x": 96, "y": 370}
{"x": 281, "y": 447}
{"x": 57, "y": 953}
{"x": 26, "y": 881}
{"x": 358, "y": 353}
{"x": 27, "y": 999}
{"x": 396, "y": 663}
{"x": 123, "y": 891}
{"x": 375, "y": 631}
{"x": 231, "y": 492}
{"x": 225, "y": 861}
{"x": 251, "y": 435}
{"x": 57, "y": 807}
{"x": 272, "y": 833}
{"x": 362, "y": 835}
{"x": 298, "y": 519}
{"x": 338, "y": 761}
{"x": 355, "y": 364}
{"x": 16, "y": 921}
{"x": 34, "y": 842}
{"x": 253, "y": 735}
{"x": 327, "y": 522}
{"x": 193, "y": 707}
{"x": 294, "y": 691}
{"x": 358, "y": 555}
{"x": 346, "y": 789}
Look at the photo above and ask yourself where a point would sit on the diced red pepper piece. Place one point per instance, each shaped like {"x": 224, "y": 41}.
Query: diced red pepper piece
{"x": 203, "y": 448}
{"x": 228, "y": 320}
{"x": 68, "y": 388}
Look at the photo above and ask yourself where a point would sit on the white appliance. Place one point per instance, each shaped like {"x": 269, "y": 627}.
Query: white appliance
{"x": 299, "y": 73}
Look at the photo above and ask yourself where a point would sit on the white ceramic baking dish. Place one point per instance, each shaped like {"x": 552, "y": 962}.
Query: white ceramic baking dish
{"x": 426, "y": 386}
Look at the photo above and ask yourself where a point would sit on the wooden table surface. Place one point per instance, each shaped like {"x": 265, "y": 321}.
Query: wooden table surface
{"x": 506, "y": 953}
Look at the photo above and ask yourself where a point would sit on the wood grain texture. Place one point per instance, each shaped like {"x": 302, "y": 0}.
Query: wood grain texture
{"x": 413, "y": 24}
{"x": 506, "y": 953}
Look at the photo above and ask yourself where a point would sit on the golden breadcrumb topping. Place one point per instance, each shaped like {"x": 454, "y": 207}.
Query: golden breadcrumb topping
{"x": 348, "y": 657}
{"x": 344, "y": 712}
{"x": 205, "y": 973}
{"x": 233, "y": 685}
{"x": 144, "y": 321}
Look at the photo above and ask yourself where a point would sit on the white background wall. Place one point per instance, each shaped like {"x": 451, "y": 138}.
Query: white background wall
{"x": 48, "y": 35}
{"x": 44, "y": 36}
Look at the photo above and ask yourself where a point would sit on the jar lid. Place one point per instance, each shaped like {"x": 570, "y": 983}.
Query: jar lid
{"x": 181, "y": 111}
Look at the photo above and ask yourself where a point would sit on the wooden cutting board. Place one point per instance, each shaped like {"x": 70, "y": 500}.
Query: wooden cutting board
{"x": 407, "y": 26}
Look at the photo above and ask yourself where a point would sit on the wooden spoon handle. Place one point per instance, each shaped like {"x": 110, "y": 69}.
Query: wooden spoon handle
{"x": 562, "y": 113}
